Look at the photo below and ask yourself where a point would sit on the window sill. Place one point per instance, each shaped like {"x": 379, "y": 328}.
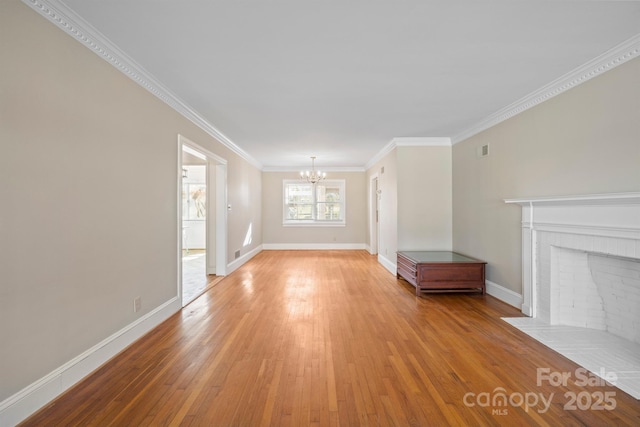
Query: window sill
{"x": 314, "y": 224}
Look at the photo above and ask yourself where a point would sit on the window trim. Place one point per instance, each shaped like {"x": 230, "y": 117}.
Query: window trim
{"x": 315, "y": 222}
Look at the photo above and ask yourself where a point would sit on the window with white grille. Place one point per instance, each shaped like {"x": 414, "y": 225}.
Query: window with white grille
{"x": 322, "y": 203}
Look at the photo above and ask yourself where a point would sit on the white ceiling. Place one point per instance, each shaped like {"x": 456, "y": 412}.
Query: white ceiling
{"x": 339, "y": 79}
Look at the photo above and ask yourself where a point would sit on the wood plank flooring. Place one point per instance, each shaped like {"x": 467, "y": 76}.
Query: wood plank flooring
{"x": 323, "y": 338}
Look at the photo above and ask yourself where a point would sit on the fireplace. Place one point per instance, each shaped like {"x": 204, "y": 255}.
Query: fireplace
{"x": 581, "y": 280}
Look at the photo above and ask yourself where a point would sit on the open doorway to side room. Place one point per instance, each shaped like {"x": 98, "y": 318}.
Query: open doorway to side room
{"x": 374, "y": 214}
{"x": 202, "y": 223}
{"x": 194, "y": 235}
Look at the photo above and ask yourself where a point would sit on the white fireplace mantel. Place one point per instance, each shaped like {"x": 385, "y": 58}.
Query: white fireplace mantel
{"x": 602, "y": 223}
{"x": 583, "y": 199}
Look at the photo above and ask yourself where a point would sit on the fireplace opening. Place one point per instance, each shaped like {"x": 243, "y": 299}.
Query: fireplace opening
{"x": 595, "y": 291}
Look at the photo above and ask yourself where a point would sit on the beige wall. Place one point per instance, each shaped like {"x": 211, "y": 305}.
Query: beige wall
{"x": 88, "y": 198}
{"x": 586, "y": 140}
{"x": 415, "y": 200}
{"x": 356, "y": 205}
{"x": 424, "y": 198}
{"x": 244, "y": 220}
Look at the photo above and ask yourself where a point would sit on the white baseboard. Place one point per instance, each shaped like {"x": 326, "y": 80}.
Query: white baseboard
{"x": 21, "y": 405}
{"x": 313, "y": 246}
{"x": 388, "y": 264}
{"x": 371, "y": 250}
{"x": 503, "y": 294}
{"x": 235, "y": 264}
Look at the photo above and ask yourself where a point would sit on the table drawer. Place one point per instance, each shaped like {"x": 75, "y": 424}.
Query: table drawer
{"x": 405, "y": 264}
{"x": 407, "y": 269}
{"x": 451, "y": 273}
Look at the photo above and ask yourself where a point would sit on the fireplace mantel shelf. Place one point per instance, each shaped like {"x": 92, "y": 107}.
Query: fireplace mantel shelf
{"x": 583, "y": 199}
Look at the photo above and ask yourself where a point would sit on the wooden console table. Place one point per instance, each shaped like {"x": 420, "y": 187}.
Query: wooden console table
{"x": 441, "y": 271}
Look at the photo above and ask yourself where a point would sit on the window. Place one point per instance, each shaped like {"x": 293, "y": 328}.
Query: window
{"x": 194, "y": 201}
{"x": 319, "y": 204}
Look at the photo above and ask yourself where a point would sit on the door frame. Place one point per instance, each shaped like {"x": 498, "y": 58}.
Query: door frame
{"x": 218, "y": 166}
{"x": 374, "y": 214}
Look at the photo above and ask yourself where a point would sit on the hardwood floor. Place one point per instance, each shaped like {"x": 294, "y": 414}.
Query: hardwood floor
{"x": 322, "y": 338}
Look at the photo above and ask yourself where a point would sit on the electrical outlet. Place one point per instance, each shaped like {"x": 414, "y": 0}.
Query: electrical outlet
{"x": 137, "y": 304}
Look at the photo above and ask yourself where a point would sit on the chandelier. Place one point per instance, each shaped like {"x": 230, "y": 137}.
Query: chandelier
{"x": 314, "y": 176}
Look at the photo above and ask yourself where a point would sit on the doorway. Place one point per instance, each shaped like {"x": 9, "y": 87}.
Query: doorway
{"x": 374, "y": 215}
{"x": 202, "y": 219}
{"x": 194, "y": 224}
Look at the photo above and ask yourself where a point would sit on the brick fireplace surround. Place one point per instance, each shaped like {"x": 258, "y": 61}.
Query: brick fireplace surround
{"x": 581, "y": 280}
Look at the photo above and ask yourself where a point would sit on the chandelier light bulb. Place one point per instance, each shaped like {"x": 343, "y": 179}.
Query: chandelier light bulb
{"x": 313, "y": 176}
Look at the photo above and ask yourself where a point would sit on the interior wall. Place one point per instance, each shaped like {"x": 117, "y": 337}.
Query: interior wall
{"x": 354, "y": 232}
{"x": 244, "y": 210}
{"x": 424, "y": 198}
{"x": 88, "y": 190}
{"x": 583, "y": 141}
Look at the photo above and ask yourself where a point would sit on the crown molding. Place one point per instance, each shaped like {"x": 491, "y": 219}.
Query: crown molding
{"x": 618, "y": 55}
{"x": 408, "y": 142}
{"x": 297, "y": 169}
{"x": 385, "y": 150}
{"x": 422, "y": 142}
{"x": 66, "y": 19}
